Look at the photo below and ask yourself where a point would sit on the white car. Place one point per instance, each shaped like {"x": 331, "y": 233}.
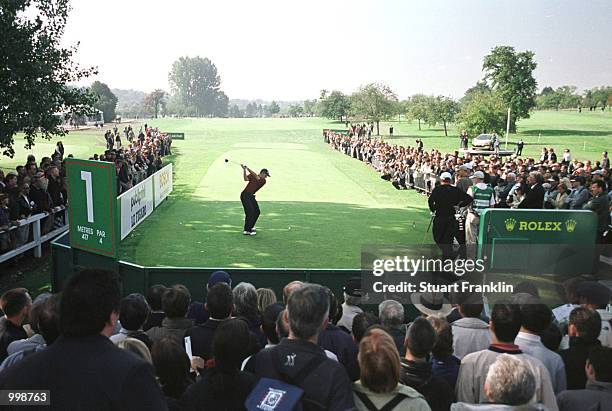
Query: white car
{"x": 483, "y": 142}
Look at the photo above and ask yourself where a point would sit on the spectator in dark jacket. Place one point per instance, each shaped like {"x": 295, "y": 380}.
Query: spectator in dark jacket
{"x": 55, "y": 186}
{"x": 224, "y": 386}
{"x": 157, "y": 314}
{"x": 583, "y": 329}
{"x": 417, "y": 371}
{"x": 83, "y": 369}
{"x": 444, "y": 364}
{"x": 339, "y": 342}
{"x": 197, "y": 311}
{"x": 172, "y": 368}
{"x": 219, "y": 304}
{"x": 133, "y": 312}
{"x": 245, "y": 303}
{"x": 15, "y": 305}
{"x": 534, "y": 199}
{"x": 597, "y": 394}
{"x": 391, "y": 316}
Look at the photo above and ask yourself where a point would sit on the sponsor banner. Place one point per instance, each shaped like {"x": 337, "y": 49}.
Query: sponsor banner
{"x": 136, "y": 205}
{"x": 175, "y": 136}
{"x": 162, "y": 184}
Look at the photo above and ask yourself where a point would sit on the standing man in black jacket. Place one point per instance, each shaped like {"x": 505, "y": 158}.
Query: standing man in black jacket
{"x": 442, "y": 201}
{"x": 535, "y": 196}
{"x": 83, "y": 369}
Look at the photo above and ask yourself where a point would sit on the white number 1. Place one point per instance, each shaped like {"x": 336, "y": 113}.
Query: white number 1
{"x": 86, "y": 176}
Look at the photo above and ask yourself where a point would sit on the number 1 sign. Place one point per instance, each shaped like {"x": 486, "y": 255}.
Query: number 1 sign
{"x": 92, "y": 199}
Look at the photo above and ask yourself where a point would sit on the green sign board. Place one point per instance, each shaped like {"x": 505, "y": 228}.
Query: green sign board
{"x": 543, "y": 241}
{"x": 176, "y": 136}
{"x": 92, "y": 197}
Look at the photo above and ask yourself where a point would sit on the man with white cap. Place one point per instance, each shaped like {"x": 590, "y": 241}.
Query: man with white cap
{"x": 442, "y": 202}
{"x": 484, "y": 197}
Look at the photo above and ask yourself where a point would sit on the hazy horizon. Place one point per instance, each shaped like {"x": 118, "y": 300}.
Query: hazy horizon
{"x": 289, "y": 51}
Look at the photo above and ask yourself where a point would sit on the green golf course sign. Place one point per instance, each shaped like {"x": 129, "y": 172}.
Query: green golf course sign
{"x": 92, "y": 194}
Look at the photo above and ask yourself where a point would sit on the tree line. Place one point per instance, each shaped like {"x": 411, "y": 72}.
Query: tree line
{"x": 37, "y": 73}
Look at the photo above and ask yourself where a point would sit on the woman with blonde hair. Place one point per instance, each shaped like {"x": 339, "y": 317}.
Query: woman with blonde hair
{"x": 137, "y": 347}
{"x": 378, "y": 386}
{"x": 265, "y": 297}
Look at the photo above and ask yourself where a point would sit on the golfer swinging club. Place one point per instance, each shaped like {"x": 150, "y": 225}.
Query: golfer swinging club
{"x": 247, "y": 197}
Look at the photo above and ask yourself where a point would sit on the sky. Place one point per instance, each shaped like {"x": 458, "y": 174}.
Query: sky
{"x": 290, "y": 50}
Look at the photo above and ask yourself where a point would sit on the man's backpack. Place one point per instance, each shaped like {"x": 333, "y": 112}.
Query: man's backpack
{"x": 285, "y": 394}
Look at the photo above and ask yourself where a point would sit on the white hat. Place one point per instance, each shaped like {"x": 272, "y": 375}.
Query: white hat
{"x": 478, "y": 174}
{"x": 446, "y": 176}
{"x": 431, "y": 303}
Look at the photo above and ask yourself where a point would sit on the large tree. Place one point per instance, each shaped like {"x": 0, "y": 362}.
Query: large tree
{"x": 155, "y": 102}
{"x": 418, "y": 108}
{"x": 309, "y": 107}
{"x": 221, "y": 105}
{"x": 374, "y": 102}
{"x": 511, "y": 76}
{"x": 335, "y": 105}
{"x": 106, "y": 101}
{"x": 562, "y": 97}
{"x": 35, "y": 70}
{"x": 485, "y": 112}
{"x": 442, "y": 110}
{"x": 235, "y": 111}
{"x": 479, "y": 87}
{"x": 197, "y": 86}
{"x": 600, "y": 96}
{"x": 295, "y": 110}
{"x": 272, "y": 108}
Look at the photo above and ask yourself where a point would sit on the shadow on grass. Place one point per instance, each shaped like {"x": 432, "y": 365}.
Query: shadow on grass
{"x": 189, "y": 232}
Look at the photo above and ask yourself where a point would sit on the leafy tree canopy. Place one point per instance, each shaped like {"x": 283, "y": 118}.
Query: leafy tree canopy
{"x": 510, "y": 74}
{"x": 35, "y": 70}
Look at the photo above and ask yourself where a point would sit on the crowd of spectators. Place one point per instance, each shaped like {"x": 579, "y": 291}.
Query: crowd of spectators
{"x": 40, "y": 186}
{"x": 547, "y": 182}
{"x": 244, "y": 348}
{"x": 560, "y": 177}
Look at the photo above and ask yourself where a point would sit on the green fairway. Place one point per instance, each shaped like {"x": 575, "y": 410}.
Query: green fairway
{"x": 318, "y": 208}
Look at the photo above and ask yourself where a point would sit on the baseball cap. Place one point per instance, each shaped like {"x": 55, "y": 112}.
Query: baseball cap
{"x": 478, "y": 174}
{"x": 219, "y": 277}
{"x": 353, "y": 287}
{"x": 265, "y": 171}
{"x": 446, "y": 176}
{"x": 463, "y": 167}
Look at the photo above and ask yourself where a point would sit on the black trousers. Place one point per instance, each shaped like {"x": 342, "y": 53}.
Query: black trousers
{"x": 444, "y": 231}
{"x": 251, "y": 210}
